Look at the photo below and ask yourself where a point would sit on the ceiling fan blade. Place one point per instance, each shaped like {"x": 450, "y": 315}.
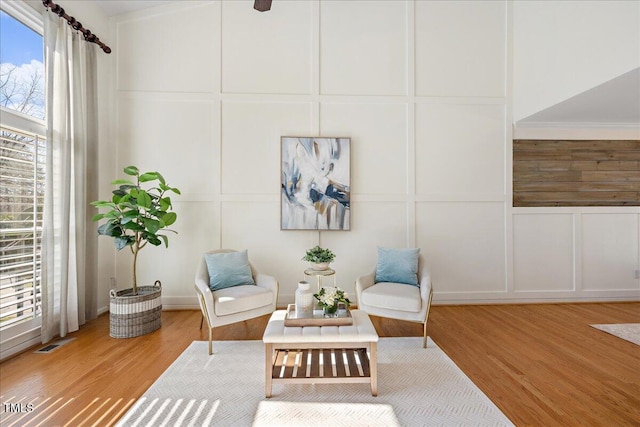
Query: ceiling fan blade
{"x": 262, "y": 5}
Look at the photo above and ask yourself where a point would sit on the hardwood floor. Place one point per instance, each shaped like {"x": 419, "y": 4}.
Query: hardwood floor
{"x": 542, "y": 365}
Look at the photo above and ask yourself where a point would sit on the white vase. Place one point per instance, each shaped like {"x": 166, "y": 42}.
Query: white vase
{"x": 319, "y": 266}
{"x": 304, "y": 299}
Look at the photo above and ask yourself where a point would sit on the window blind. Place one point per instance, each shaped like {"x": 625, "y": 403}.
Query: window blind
{"x": 22, "y": 173}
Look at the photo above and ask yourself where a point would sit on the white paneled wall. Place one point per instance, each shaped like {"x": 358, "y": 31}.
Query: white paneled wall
{"x": 543, "y": 252}
{"x": 266, "y": 55}
{"x": 379, "y": 153}
{"x": 174, "y": 51}
{"x": 460, "y": 48}
{"x": 576, "y": 253}
{"x": 363, "y": 47}
{"x": 460, "y": 150}
{"x": 464, "y": 243}
{"x": 609, "y": 251}
{"x": 206, "y": 89}
{"x": 249, "y": 130}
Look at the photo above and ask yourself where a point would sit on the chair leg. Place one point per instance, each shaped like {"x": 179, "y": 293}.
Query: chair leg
{"x": 210, "y": 342}
{"x": 426, "y": 319}
{"x": 424, "y": 336}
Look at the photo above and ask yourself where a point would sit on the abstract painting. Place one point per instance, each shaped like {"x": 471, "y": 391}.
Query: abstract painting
{"x": 315, "y": 183}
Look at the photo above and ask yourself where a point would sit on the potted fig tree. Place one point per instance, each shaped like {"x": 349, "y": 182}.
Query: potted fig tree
{"x": 138, "y": 214}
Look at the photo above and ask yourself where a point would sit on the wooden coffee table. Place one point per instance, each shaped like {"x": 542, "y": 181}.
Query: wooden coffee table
{"x": 321, "y": 354}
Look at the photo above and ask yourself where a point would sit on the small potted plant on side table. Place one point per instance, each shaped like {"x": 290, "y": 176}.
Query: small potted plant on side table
{"x": 319, "y": 258}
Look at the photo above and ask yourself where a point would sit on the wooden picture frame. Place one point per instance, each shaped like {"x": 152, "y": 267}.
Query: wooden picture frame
{"x": 315, "y": 183}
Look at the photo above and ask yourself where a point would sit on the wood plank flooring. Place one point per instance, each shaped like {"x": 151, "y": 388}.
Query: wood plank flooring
{"x": 542, "y": 365}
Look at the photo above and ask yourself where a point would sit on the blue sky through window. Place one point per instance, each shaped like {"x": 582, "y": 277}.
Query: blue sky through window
{"x": 19, "y": 44}
{"x": 21, "y": 67}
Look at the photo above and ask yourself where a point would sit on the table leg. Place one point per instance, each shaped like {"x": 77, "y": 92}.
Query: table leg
{"x": 268, "y": 368}
{"x": 373, "y": 367}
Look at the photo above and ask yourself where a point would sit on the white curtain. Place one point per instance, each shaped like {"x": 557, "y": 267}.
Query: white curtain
{"x": 69, "y": 247}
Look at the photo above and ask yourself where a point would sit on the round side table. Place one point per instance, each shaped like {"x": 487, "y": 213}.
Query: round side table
{"x": 320, "y": 275}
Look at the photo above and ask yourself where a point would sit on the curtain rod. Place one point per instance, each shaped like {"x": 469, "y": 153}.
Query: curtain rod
{"x": 88, "y": 36}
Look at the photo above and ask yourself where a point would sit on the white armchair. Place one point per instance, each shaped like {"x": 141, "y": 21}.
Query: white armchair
{"x": 234, "y": 304}
{"x": 397, "y": 300}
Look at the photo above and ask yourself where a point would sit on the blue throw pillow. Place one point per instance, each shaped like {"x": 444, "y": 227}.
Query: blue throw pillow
{"x": 228, "y": 269}
{"x": 397, "y": 266}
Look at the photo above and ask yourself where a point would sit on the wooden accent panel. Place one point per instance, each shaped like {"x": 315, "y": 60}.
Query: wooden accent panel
{"x": 576, "y": 173}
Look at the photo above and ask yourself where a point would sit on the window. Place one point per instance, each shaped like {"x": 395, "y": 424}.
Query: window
{"x": 21, "y": 201}
{"x": 22, "y": 168}
{"x": 21, "y": 68}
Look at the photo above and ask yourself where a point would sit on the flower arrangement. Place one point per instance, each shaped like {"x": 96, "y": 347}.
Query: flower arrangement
{"x": 329, "y": 298}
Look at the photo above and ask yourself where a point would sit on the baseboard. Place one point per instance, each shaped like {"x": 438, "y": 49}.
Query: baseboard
{"x": 444, "y": 298}
{"x": 8, "y": 350}
{"x": 180, "y": 303}
{"x": 534, "y": 297}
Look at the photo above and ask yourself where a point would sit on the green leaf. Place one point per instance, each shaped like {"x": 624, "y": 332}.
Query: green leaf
{"x": 152, "y": 238}
{"x": 122, "y": 242}
{"x": 160, "y": 178}
{"x": 148, "y": 176}
{"x": 122, "y": 181}
{"x": 131, "y": 170}
{"x": 132, "y": 226}
{"x": 97, "y": 217}
{"x": 116, "y": 198}
{"x": 151, "y": 225}
{"x": 165, "y": 239}
{"x": 112, "y": 215}
{"x": 109, "y": 229}
{"x": 143, "y": 199}
{"x": 169, "y": 218}
{"x": 103, "y": 204}
{"x": 165, "y": 203}
{"x": 175, "y": 190}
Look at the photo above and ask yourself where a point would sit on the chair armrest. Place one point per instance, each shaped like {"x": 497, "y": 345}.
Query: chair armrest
{"x": 267, "y": 282}
{"x": 205, "y": 296}
{"x": 425, "y": 284}
{"x": 366, "y": 280}
{"x": 203, "y": 290}
{"x": 363, "y": 282}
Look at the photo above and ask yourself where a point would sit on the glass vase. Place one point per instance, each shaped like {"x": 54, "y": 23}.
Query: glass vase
{"x": 330, "y": 311}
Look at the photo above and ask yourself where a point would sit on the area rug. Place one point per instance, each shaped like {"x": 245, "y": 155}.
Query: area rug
{"x": 416, "y": 387}
{"x": 626, "y": 331}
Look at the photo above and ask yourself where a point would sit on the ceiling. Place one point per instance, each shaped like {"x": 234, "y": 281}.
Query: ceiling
{"x": 616, "y": 101}
{"x": 118, "y": 7}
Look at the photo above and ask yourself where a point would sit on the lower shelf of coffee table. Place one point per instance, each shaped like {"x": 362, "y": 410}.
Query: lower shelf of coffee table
{"x": 321, "y": 365}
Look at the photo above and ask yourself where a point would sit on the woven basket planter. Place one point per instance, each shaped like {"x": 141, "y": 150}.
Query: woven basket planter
{"x": 134, "y": 315}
